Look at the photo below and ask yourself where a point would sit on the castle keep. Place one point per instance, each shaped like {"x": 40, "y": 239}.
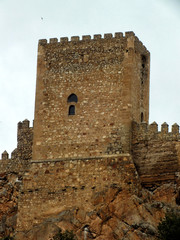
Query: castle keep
{"x": 91, "y": 137}
{"x": 105, "y": 81}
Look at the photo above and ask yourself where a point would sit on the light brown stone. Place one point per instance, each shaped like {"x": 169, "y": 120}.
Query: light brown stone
{"x": 90, "y": 169}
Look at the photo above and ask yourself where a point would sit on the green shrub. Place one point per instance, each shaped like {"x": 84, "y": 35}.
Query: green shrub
{"x": 67, "y": 235}
{"x": 7, "y": 238}
{"x": 169, "y": 227}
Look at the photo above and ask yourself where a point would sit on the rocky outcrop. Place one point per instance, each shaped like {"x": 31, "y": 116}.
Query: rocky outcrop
{"x": 11, "y": 174}
{"x": 117, "y": 214}
{"x": 117, "y": 211}
{"x": 9, "y": 188}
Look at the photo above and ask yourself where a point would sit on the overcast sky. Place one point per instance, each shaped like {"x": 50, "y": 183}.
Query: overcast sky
{"x": 24, "y": 22}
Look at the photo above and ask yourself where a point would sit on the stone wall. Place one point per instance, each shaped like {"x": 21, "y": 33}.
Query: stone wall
{"x": 156, "y": 153}
{"x": 51, "y": 187}
{"x": 92, "y": 145}
{"x": 11, "y": 174}
{"x": 24, "y": 145}
{"x": 109, "y": 76}
{"x": 24, "y": 140}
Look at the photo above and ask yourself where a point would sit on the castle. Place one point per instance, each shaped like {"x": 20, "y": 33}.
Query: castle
{"x": 91, "y": 130}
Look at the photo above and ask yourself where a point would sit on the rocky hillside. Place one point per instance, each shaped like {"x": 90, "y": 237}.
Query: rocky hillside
{"x": 117, "y": 213}
{"x": 9, "y": 188}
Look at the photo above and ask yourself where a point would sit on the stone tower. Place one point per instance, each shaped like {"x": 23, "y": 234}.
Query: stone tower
{"x": 93, "y": 149}
{"x": 88, "y": 93}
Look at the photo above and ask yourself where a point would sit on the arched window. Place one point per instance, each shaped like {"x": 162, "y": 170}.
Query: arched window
{"x": 72, "y": 110}
{"x": 142, "y": 117}
{"x": 72, "y": 98}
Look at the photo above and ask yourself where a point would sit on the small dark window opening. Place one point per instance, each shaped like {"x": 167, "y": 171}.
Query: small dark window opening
{"x": 142, "y": 117}
{"x": 72, "y": 110}
{"x": 143, "y": 69}
{"x": 143, "y": 58}
{"x": 72, "y": 98}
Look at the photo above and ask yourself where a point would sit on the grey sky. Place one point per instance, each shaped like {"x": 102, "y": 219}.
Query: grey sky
{"x": 155, "y": 22}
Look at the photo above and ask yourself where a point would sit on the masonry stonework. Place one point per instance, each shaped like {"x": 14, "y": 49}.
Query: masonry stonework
{"x": 109, "y": 76}
{"x": 156, "y": 153}
{"x": 91, "y": 159}
{"x": 52, "y": 187}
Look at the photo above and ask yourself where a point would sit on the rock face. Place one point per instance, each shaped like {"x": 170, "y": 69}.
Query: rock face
{"x": 117, "y": 214}
{"x": 9, "y": 189}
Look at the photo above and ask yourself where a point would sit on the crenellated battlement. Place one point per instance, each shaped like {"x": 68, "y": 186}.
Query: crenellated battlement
{"x": 24, "y": 143}
{"x": 24, "y": 124}
{"x": 5, "y": 155}
{"x": 144, "y": 131}
{"x": 86, "y": 38}
{"x": 96, "y": 37}
{"x": 156, "y": 152}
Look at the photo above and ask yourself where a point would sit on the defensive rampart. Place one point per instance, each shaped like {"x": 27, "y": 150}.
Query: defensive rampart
{"x": 11, "y": 174}
{"x": 156, "y": 153}
{"x": 51, "y": 187}
{"x": 18, "y": 162}
{"x": 87, "y": 38}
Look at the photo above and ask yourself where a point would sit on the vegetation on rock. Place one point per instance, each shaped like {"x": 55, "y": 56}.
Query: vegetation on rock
{"x": 169, "y": 227}
{"x": 67, "y": 235}
{"x": 7, "y": 238}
